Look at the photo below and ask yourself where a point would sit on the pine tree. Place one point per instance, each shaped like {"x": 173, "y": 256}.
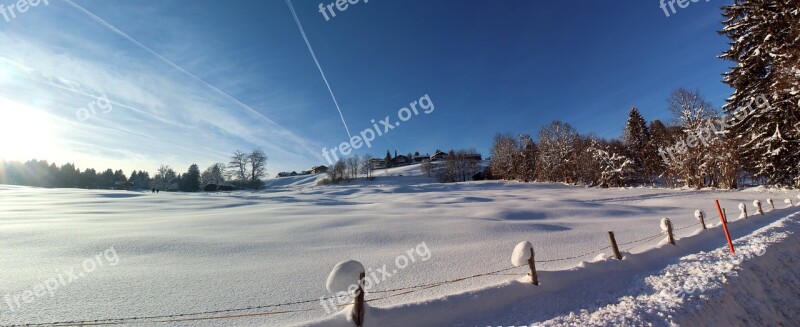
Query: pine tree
{"x": 637, "y": 139}
{"x": 765, "y": 45}
{"x": 191, "y": 180}
{"x": 659, "y": 140}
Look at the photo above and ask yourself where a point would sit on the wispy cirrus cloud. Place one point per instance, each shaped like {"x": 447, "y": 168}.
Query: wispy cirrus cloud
{"x": 163, "y": 112}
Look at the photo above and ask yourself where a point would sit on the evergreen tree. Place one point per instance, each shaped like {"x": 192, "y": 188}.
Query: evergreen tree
{"x": 88, "y": 179}
{"x": 191, "y": 180}
{"x": 120, "y": 181}
{"x": 388, "y": 158}
{"x": 637, "y": 139}
{"x": 765, "y": 45}
{"x": 659, "y": 140}
{"x": 107, "y": 179}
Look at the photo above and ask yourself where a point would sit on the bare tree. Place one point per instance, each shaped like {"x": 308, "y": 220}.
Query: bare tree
{"x": 353, "y": 166}
{"x": 238, "y": 166}
{"x": 557, "y": 143}
{"x": 258, "y": 167}
{"x": 337, "y": 172}
{"x": 366, "y": 165}
{"x": 447, "y": 171}
{"x": 691, "y": 110}
{"x": 504, "y": 151}
{"x": 693, "y": 113}
{"x": 215, "y": 174}
{"x": 525, "y": 159}
{"x": 427, "y": 166}
{"x": 615, "y": 169}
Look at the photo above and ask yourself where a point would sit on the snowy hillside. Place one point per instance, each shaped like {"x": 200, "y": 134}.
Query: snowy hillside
{"x": 293, "y": 182}
{"x": 187, "y": 253}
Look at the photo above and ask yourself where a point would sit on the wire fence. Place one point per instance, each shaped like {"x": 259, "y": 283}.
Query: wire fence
{"x": 243, "y": 311}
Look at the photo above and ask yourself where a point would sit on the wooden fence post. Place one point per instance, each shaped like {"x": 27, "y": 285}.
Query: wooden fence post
{"x": 666, "y": 226}
{"x": 757, "y": 204}
{"x": 518, "y": 259}
{"x": 701, "y": 216}
{"x": 743, "y": 209}
{"x": 342, "y": 280}
{"x": 358, "y": 310}
{"x": 532, "y": 265}
{"x": 614, "y": 245}
{"x": 772, "y": 203}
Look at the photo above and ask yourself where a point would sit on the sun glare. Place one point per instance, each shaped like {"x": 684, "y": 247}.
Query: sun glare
{"x": 25, "y": 133}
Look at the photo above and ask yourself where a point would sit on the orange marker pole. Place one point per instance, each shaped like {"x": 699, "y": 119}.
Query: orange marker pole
{"x": 725, "y": 226}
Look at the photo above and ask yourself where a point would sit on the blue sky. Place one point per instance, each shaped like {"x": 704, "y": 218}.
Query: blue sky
{"x": 191, "y": 81}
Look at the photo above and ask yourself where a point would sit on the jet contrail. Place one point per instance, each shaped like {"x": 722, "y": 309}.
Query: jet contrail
{"x": 300, "y": 26}
{"x": 285, "y": 132}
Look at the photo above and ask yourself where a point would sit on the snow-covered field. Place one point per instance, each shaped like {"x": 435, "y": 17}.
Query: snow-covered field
{"x": 181, "y": 253}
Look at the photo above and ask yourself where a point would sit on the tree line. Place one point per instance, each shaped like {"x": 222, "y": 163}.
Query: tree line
{"x": 243, "y": 171}
{"x": 755, "y": 135}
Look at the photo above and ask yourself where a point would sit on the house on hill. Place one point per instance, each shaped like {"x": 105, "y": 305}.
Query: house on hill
{"x": 377, "y": 163}
{"x": 420, "y": 158}
{"x": 319, "y": 169}
{"x": 439, "y": 155}
{"x": 401, "y": 160}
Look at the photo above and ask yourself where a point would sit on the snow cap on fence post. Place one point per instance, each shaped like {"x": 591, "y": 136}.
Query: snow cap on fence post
{"x": 523, "y": 253}
{"x": 343, "y": 275}
{"x": 348, "y": 277}
{"x": 743, "y": 209}
{"x": 757, "y": 204}
{"x": 701, "y": 216}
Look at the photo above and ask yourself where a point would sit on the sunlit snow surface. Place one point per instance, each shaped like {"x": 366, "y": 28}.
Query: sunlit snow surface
{"x": 182, "y": 253}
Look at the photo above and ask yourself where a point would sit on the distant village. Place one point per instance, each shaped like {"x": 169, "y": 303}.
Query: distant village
{"x": 386, "y": 162}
